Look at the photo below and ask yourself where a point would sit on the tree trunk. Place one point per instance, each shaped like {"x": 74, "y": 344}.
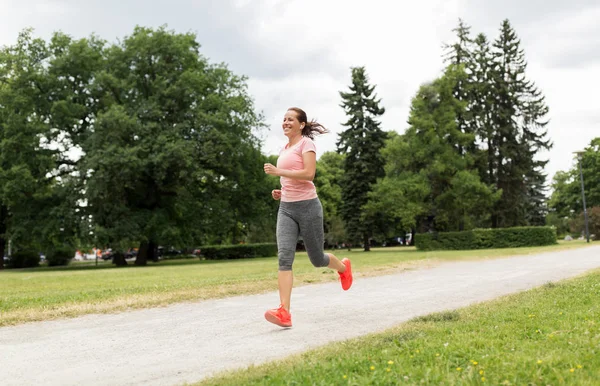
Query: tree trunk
{"x": 491, "y": 179}
{"x": 3, "y": 214}
{"x": 148, "y": 251}
{"x": 119, "y": 259}
{"x": 234, "y": 232}
{"x": 153, "y": 251}
{"x": 2, "y": 244}
{"x": 366, "y": 242}
{"x": 142, "y": 255}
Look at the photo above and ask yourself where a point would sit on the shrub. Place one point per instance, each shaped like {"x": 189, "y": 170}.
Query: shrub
{"x": 241, "y": 251}
{"x": 25, "y": 258}
{"x": 487, "y": 238}
{"x": 578, "y": 223}
{"x": 60, "y": 256}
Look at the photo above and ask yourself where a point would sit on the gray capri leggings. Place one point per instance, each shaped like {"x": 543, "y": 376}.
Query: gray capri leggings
{"x": 303, "y": 218}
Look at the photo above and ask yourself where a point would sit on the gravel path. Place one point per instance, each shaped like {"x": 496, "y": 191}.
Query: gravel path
{"x": 191, "y": 341}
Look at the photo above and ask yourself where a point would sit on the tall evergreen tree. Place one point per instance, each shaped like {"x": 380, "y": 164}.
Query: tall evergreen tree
{"x": 361, "y": 142}
{"x": 520, "y": 133}
{"x": 460, "y": 54}
{"x": 482, "y": 105}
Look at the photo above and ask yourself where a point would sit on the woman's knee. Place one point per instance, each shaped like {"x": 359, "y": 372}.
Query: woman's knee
{"x": 319, "y": 260}
{"x": 286, "y": 259}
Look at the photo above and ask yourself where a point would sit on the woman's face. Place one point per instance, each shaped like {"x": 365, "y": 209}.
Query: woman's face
{"x": 291, "y": 126}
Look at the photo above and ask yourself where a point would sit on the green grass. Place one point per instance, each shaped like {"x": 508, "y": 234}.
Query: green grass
{"x": 546, "y": 336}
{"x": 82, "y": 288}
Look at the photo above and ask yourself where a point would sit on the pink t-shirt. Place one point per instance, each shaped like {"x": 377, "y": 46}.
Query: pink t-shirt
{"x": 290, "y": 158}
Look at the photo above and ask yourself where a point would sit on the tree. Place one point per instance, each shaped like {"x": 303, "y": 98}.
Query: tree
{"x": 460, "y": 54}
{"x": 482, "y": 106}
{"x": 143, "y": 141}
{"x": 564, "y": 193}
{"x": 577, "y": 224}
{"x": 398, "y": 198}
{"x": 168, "y": 153}
{"x": 430, "y": 184}
{"x": 566, "y": 200}
{"x": 590, "y": 167}
{"x": 519, "y": 134}
{"x": 330, "y": 170}
{"x": 32, "y": 210}
{"x": 360, "y": 143}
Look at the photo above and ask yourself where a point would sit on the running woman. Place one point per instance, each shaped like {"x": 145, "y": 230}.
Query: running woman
{"x": 300, "y": 210}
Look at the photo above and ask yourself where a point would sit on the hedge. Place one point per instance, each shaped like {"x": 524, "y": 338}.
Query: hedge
{"x": 487, "y": 238}
{"x": 60, "y": 256}
{"x": 24, "y": 259}
{"x": 241, "y": 251}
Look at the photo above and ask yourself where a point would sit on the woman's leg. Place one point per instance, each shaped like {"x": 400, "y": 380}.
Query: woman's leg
{"x": 285, "y": 281}
{"x": 311, "y": 229}
{"x": 335, "y": 263}
{"x": 287, "y": 237}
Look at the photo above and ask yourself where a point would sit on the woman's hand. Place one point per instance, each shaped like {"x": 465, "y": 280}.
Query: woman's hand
{"x": 276, "y": 193}
{"x": 272, "y": 170}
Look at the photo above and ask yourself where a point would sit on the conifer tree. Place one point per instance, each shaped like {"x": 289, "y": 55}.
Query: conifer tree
{"x": 519, "y": 113}
{"x": 361, "y": 143}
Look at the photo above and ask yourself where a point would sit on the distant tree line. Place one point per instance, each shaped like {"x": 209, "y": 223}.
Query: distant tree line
{"x": 144, "y": 143}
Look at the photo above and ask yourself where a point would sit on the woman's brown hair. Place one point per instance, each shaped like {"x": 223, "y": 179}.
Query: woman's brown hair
{"x": 311, "y": 128}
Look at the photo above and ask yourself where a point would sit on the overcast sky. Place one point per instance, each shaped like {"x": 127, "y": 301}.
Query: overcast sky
{"x": 299, "y": 52}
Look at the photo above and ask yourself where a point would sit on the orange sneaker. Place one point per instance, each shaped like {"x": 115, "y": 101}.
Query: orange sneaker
{"x": 279, "y": 316}
{"x": 346, "y": 276}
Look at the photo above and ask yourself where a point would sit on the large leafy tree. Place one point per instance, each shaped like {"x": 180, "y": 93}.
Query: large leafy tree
{"x": 361, "y": 143}
{"x": 168, "y": 154}
{"x": 34, "y": 209}
{"x": 143, "y": 141}
{"x": 398, "y": 199}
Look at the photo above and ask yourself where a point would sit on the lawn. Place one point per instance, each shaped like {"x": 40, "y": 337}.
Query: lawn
{"x": 82, "y": 288}
{"x": 545, "y": 336}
